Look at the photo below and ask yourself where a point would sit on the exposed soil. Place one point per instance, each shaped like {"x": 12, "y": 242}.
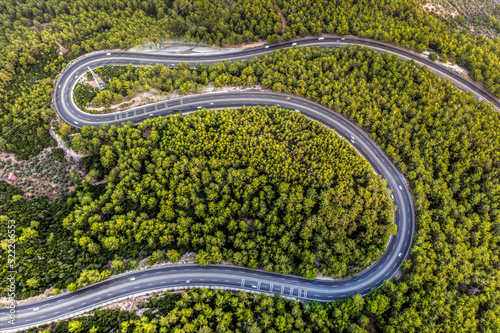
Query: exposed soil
{"x": 153, "y": 97}
{"x": 283, "y": 20}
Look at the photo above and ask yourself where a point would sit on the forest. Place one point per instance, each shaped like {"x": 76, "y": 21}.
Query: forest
{"x": 445, "y": 142}
{"x": 39, "y": 38}
{"x": 260, "y": 187}
{"x": 205, "y": 310}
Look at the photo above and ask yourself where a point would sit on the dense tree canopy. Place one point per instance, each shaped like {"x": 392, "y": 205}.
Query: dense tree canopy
{"x": 445, "y": 142}
{"x": 205, "y": 310}
{"x": 260, "y": 187}
{"x": 39, "y": 38}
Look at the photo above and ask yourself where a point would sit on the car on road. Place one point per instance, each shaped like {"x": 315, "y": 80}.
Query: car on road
{"x": 172, "y": 65}
{"x": 199, "y": 107}
{"x": 188, "y": 281}
{"x": 399, "y": 255}
{"x": 267, "y": 46}
{"x": 400, "y": 187}
{"x": 378, "y": 155}
{"x": 293, "y": 44}
{"x": 254, "y": 286}
{"x": 76, "y": 122}
{"x": 211, "y": 103}
{"x": 132, "y": 279}
{"x": 297, "y": 111}
{"x": 321, "y": 38}
{"x": 288, "y": 98}
{"x": 392, "y": 196}
{"x": 314, "y": 281}
{"x": 176, "y": 109}
{"x": 36, "y": 309}
{"x": 59, "y": 86}
{"x": 108, "y": 53}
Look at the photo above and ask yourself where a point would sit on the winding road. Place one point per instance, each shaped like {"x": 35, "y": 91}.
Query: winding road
{"x": 222, "y": 276}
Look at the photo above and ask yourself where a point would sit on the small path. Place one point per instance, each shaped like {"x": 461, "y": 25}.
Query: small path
{"x": 60, "y": 144}
{"x": 283, "y": 20}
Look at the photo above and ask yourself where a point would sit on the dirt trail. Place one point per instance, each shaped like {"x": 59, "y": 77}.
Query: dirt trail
{"x": 60, "y": 144}
{"x": 283, "y": 20}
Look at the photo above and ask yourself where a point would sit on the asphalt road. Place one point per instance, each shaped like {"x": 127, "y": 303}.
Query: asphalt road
{"x": 63, "y": 94}
{"x": 236, "y": 278}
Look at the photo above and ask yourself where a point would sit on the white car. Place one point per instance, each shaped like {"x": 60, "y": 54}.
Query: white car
{"x": 400, "y": 188}
{"x": 76, "y": 122}
{"x": 36, "y": 309}
{"x": 321, "y": 38}
{"x": 399, "y": 255}
{"x": 59, "y": 86}
{"x": 199, "y": 107}
{"x": 108, "y": 53}
{"x": 132, "y": 279}
{"x": 188, "y": 281}
{"x": 293, "y": 44}
{"x": 267, "y": 46}
{"x": 392, "y": 196}
{"x": 297, "y": 111}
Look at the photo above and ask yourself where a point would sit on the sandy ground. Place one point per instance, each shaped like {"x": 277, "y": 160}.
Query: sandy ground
{"x": 183, "y": 48}
{"x": 455, "y": 68}
{"x": 153, "y": 96}
{"x": 440, "y": 10}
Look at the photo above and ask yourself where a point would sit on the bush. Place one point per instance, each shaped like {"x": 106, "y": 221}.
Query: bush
{"x": 58, "y": 153}
{"x": 433, "y": 56}
{"x": 157, "y": 257}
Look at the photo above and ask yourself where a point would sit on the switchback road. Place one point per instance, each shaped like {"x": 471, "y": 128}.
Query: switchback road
{"x": 230, "y": 277}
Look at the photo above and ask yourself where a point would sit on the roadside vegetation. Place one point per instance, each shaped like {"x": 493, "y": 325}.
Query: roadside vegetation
{"x": 433, "y": 132}
{"x": 261, "y": 187}
{"x": 125, "y": 82}
{"x": 205, "y": 310}
{"x": 40, "y": 38}
{"x": 444, "y": 141}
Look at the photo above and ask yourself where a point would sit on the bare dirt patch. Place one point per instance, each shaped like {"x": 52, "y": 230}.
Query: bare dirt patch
{"x": 283, "y": 20}
{"x": 42, "y": 175}
{"x": 153, "y": 96}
